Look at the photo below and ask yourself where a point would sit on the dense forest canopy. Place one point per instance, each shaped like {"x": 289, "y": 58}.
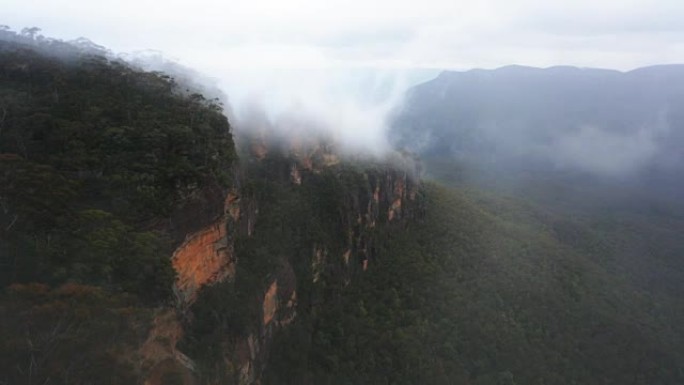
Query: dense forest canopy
{"x": 94, "y": 154}
{"x": 104, "y": 170}
{"x": 494, "y": 290}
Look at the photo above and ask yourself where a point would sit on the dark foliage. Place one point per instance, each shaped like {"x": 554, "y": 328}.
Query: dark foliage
{"x": 94, "y": 155}
{"x": 73, "y": 334}
{"x": 483, "y": 291}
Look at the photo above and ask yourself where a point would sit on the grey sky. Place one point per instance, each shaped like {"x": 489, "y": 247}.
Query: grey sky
{"x": 252, "y": 47}
{"x": 620, "y": 34}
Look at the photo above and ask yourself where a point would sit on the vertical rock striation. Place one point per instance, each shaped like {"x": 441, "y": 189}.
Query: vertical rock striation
{"x": 369, "y": 200}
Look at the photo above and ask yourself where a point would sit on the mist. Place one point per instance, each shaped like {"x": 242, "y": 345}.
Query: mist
{"x": 603, "y": 152}
{"x": 344, "y": 65}
{"x": 608, "y": 124}
{"x": 346, "y": 106}
{"x": 349, "y": 106}
{"x": 511, "y": 116}
{"x": 403, "y": 192}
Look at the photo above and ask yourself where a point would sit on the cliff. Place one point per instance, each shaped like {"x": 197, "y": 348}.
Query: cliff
{"x": 104, "y": 171}
{"x": 136, "y": 249}
{"x": 301, "y": 222}
{"x": 160, "y": 258}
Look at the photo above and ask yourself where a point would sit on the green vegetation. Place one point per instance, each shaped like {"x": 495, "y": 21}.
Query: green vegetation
{"x": 94, "y": 157}
{"x": 492, "y": 285}
{"x": 98, "y": 163}
{"x": 72, "y": 334}
{"x": 489, "y": 290}
{"x": 292, "y": 220}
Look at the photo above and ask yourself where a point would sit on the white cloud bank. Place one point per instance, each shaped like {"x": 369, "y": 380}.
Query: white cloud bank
{"x": 257, "y": 48}
{"x": 461, "y": 34}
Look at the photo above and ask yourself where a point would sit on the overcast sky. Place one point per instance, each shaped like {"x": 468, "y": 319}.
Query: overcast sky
{"x": 620, "y": 34}
{"x": 242, "y": 42}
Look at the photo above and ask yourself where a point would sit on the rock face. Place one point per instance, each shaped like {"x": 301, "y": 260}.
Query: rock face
{"x": 203, "y": 258}
{"x": 270, "y": 305}
{"x": 372, "y": 199}
{"x": 207, "y": 256}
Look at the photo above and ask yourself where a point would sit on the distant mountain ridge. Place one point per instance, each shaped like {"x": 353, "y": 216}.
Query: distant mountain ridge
{"x": 141, "y": 244}
{"x": 563, "y": 117}
{"x": 138, "y": 244}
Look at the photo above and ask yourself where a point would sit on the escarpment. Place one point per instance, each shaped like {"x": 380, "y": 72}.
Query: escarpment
{"x": 202, "y": 260}
{"x": 207, "y": 255}
{"x": 139, "y": 245}
{"x": 301, "y": 222}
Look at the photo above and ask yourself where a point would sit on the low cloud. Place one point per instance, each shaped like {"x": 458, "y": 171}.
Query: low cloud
{"x": 349, "y": 106}
{"x": 298, "y": 55}
{"x": 603, "y": 152}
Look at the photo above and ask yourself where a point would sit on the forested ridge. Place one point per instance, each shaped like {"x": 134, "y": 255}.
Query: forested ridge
{"x": 493, "y": 290}
{"x": 95, "y": 156}
{"x": 93, "y": 152}
{"x": 104, "y": 169}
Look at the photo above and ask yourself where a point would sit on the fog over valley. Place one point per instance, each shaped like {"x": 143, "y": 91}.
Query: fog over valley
{"x": 605, "y": 122}
{"x": 346, "y": 64}
{"x": 344, "y": 192}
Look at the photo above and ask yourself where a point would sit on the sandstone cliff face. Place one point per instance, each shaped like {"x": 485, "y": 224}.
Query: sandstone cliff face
{"x": 379, "y": 197}
{"x": 208, "y": 255}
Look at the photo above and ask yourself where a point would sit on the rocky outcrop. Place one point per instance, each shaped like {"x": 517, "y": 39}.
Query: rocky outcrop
{"x": 270, "y": 303}
{"x": 379, "y": 197}
{"x": 376, "y": 197}
{"x": 208, "y": 255}
{"x": 205, "y": 257}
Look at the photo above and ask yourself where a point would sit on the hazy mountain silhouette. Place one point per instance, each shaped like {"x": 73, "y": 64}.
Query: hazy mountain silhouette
{"x": 602, "y": 121}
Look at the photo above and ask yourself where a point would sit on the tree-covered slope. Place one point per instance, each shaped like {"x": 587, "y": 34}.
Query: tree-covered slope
{"x": 558, "y": 243}
{"x": 491, "y": 290}
{"x": 103, "y": 169}
{"x": 94, "y": 156}
{"x": 134, "y": 250}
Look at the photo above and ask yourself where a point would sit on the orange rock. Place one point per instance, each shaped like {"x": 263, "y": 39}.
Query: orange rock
{"x": 270, "y": 304}
{"x": 231, "y": 205}
{"x": 394, "y": 209}
{"x": 399, "y": 188}
{"x": 376, "y": 194}
{"x": 346, "y": 256}
{"x": 203, "y": 258}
